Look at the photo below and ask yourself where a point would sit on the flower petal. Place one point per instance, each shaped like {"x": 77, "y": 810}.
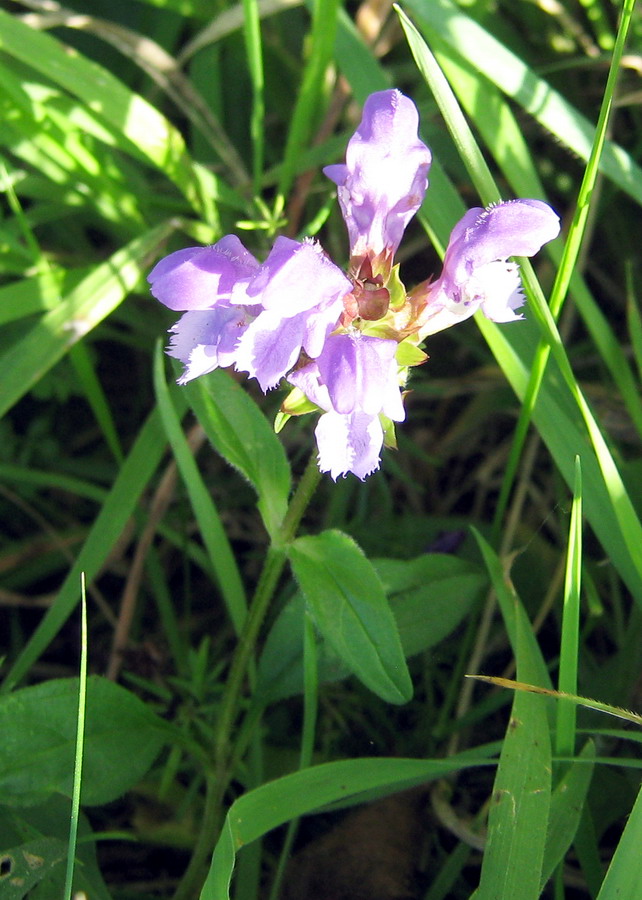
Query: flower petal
{"x": 513, "y": 228}
{"x": 297, "y": 277}
{"x": 272, "y": 343}
{"x": 475, "y": 272}
{"x": 205, "y": 339}
{"x": 350, "y": 443}
{"x": 199, "y": 277}
{"x": 356, "y": 369}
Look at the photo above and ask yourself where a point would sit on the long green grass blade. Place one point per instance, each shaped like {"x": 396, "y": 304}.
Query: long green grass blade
{"x": 214, "y": 537}
{"x": 518, "y": 818}
{"x": 618, "y": 500}
{"x": 97, "y": 295}
{"x": 272, "y": 804}
{"x": 254, "y": 50}
{"x": 149, "y": 133}
{"x": 80, "y": 740}
{"x": 624, "y": 875}
{"x": 311, "y": 95}
{"x": 570, "y": 639}
{"x": 444, "y": 21}
{"x": 567, "y": 803}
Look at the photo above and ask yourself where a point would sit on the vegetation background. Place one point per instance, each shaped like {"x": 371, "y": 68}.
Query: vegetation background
{"x": 503, "y": 532}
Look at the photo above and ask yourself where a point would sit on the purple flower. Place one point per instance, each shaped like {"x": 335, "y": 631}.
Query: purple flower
{"x": 301, "y": 294}
{"x": 354, "y": 380}
{"x": 257, "y": 317}
{"x": 384, "y": 179}
{"x": 476, "y": 274}
{"x": 336, "y": 337}
{"x": 211, "y": 284}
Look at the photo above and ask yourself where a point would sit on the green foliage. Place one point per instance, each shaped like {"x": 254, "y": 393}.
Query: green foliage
{"x": 349, "y": 607}
{"x": 122, "y": 739}
{"x": 292, "y": 646}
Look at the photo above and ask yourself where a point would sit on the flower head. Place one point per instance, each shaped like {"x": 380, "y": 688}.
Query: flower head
{"x": 337, "y": 337}
{"x": 384, "y": 178}
{"x": 256, "y": 317}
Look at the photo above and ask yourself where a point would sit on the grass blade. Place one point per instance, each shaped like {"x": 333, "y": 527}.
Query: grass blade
{"x": 624, "y": 875}
{"x": 214, "y": 537}
{"x": 569, "y": 649}
{"x": 80, "y": 737}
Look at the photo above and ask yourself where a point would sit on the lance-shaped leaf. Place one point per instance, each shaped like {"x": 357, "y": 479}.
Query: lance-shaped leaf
{"x": 350, "y": 609}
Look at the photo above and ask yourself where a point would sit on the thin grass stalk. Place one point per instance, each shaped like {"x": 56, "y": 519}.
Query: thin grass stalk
{"x": 569, "y": 648}
{"x": 309, "y": 100}
{"x": 254, "y": 50}
{"x": 80, "y": 743}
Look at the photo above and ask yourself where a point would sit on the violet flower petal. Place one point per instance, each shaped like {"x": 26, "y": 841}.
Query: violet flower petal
{"x": 199, "y": 277}
{"x": 512, "y": 228}
{"x": 356, "y": 370}
{"x": 301, "y": 292}
{"x": 308, "y": 380}
{"x": 272, "y": 343}
{"x": 296, "y": 277}
{"x": 385, "y": 176}
{"x": 204, "y": 340}
{"x": 349, "y": 443}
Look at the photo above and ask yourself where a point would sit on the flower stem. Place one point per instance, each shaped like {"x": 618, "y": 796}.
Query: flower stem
{"x": 219, "y": 779}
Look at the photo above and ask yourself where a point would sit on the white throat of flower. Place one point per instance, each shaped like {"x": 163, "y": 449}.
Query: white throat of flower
{"x": 495, "y": 287}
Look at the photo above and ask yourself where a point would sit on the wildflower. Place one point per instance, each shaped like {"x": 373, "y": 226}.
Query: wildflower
{"x": 300, "y": 291}
{"x": 383, "y": 181}
{"x": 476, "y": 274}
{"x": 345, "y": 342}
{"x": 353, "y": 380}
{"x": 256, "y": 317}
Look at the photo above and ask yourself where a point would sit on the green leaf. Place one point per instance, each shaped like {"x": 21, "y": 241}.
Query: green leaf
{"x": 280, "y": 670}
{"x": 349, "y": 607}
{"x": 567, "y": 803}
{"x": 624, "y": 875}
{"x": 241, "y": 434}
{"x": 22, "y": 826}
{"x": 272, "y": 804}
{"x": 520, "y": 803}
{"x": 212, "y": 532}
{"x": 428, "y": 597}
{"x": 24, "y": 866}
{"x": 38, "y": 725}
